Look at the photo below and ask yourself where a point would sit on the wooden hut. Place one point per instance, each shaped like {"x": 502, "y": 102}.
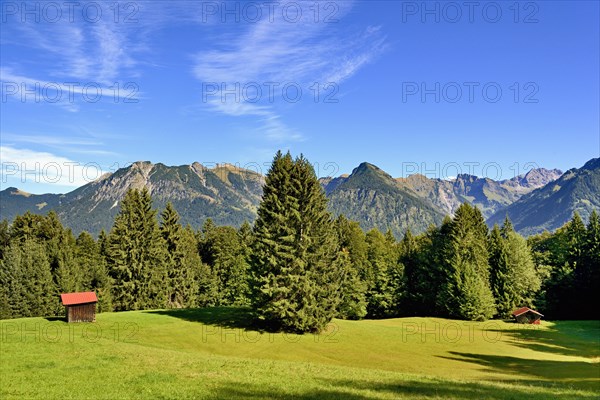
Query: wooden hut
{"x": 80, "y": 307}
{"x": 525, "y": 315}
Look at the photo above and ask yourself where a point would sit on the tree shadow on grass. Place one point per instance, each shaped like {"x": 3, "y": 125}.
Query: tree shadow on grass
{"x": 579, "y": 374}
{"x": 569, "y": 338}
{"x": 224, "y": 317}
{"x": 56, "y": 318}
{"x": 405, "y": 389}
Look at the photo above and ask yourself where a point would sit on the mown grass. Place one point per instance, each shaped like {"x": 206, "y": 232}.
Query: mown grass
{"x": 214, "y": 353}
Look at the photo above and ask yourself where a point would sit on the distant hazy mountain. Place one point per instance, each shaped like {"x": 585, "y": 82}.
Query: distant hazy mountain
{"x": 226, "y": 194}
{"x": 550, "y": 206}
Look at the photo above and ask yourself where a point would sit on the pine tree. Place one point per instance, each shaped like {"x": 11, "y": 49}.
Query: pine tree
{"x": 224, "y": 252}
{"x": 524, "y": 275}
{"x": 354, "y": 264}
{"x": 10, "y": 291}
{"x": 26, "y": 274}
{"x": 409, "y": 258}
{"x": 26, "y": 226}
{"x": 513, "y": 277}
{"x": 59, "y": 246}
{"x": 67, "y": 274}
{"x": 385, "y": 277}
{"x": 425, "y": 271}
{"x": 94, "y": 270}
{"x": 4, "y": 237}
{"x": 246, "y": 238}
{"x": 182, "y": 260}
{"x": 193, "y": 270}
{"x": 576, "y": 238}
{"x": 507, "y": 227}
{"x": 466, "y": 293}
{"x": 136, "y": 255}
{"x": 500, "y": 279}
{"x": 170, "y": 229}
{"x": 587, "y": 273}
{"x": 295, "y": 264}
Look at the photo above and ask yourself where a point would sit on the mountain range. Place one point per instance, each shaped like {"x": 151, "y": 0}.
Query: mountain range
{"x": 538, "y": 200}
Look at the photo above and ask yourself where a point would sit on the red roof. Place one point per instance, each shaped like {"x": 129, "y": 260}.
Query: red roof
{"x": 523, "y": 310}
{"x": 69, "y": 299}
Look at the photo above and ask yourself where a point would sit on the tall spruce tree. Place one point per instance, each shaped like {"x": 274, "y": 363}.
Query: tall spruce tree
{"x": 385, "y": 274}
{"x": 513, "y": 277}
{"x": 353, "y": 248}
{"x": 426, "y": 271}
{"x": 182, "y": 261}
{"x": 500, "y": 279}
{"x": 295, "y": 264}
{"x": 136, "y": 255}
{"x": 576, "y": 239}
{"x": 466, "y": 293}
{"x": 94, "y": 270}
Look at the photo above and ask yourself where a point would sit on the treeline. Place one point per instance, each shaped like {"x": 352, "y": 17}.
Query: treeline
{"x": 297, "y": 267}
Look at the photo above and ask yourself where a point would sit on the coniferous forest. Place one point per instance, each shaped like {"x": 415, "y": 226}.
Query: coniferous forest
{"x": 298, "y": 267}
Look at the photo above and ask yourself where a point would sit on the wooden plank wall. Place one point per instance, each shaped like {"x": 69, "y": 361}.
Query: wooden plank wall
{"x": 81, "y": 313}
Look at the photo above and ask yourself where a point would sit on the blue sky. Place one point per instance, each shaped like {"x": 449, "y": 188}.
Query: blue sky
{"x": 437, "y": 87}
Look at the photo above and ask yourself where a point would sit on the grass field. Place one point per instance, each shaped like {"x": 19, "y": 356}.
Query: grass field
{"x": 208, "y": 353}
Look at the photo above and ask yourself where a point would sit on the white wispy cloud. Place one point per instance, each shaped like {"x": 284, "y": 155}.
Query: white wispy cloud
{"x": 61, "y": 143}
{"x": 67, "y": 95}
{"x": 80, "y": 48}
{"x": 280, "y": 51}
{"x": 20, "y": 165}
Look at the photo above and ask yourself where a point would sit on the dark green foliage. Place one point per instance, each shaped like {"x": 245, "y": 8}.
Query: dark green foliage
{"x": 94, "y": 271}
{"x": 576, "y": 240}
{"x": 355, "y": 266}
{"x": 466, "y": 293}
{"x": 587, "y": 272}
{"x": 224, "y": 250}
{"x": 384, "y": 276}
{"x": 297, "y": 267}
{"x": 500, "y": 279}
{"x": 423, "y": 258}
{"x": 513, "y": 277}
{"x": 182, "y": 262}
{"x": 568, "y": 263}
{"x": 295, "y": 263}
{"x": 4, "y": 237}
{"x": 27, "y": 287}
{"x": 136, "y": 255}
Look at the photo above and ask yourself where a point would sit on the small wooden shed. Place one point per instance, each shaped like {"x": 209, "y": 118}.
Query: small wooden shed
{"x": 526, "y": 315}
{"x": 80, "y": 307}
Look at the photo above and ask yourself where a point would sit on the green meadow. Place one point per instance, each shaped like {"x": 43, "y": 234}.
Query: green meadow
{"x": 214, "y": 353}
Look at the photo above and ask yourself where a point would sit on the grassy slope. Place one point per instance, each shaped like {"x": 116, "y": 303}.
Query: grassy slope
{"x": 208, "y": 354}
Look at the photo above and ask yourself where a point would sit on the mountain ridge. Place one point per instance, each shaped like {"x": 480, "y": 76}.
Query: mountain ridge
{"x": 551, "y": 206}
{"x": 230, "y": 195}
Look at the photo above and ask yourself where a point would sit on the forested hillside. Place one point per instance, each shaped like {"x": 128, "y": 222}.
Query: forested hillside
{"x": 298, "y": 250}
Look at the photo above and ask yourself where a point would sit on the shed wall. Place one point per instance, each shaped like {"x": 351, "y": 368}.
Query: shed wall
{"x": 81, "y": 313}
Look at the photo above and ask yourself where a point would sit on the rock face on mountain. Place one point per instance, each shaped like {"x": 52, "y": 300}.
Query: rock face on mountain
{"x": 487, "y": 194}
{"x": 375, "y": 199}
{"x": 549, "y": 207}
{"x": 227, "y": 194}
{"x": 535, "y": 178}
